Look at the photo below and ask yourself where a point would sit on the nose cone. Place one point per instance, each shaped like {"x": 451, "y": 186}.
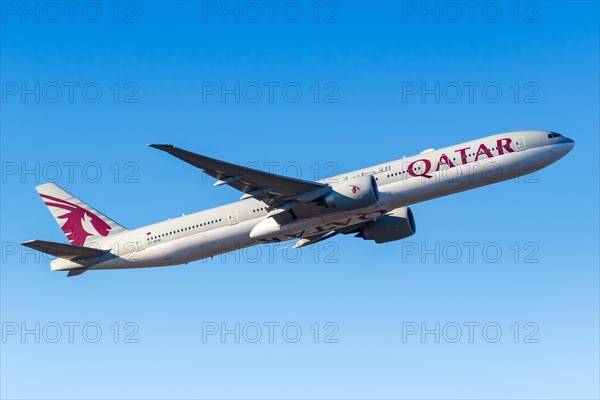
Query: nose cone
{"x": 560, "y": 145}
{"x": 569, "y": 143}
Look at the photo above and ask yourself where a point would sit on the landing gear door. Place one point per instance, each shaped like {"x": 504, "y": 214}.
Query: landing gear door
{"x": 520, "y": 143}
{"x": 232, "y": 217}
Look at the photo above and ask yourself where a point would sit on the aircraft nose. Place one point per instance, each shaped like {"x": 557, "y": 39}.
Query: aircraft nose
{"x": 570, "y": 143}
{"x": 560, "y": 145}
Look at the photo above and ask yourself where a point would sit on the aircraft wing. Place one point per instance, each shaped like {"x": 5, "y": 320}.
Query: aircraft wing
{"x": 271, "y": 188}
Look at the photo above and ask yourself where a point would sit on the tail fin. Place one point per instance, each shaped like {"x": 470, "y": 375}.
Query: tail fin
{"x": 80, "y": 222}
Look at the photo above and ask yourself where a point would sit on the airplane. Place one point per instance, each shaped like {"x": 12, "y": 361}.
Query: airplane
{"x": 371, "y": 203}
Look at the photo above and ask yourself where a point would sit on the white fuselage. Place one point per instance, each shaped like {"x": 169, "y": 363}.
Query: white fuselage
{"x": 401, "y": 183}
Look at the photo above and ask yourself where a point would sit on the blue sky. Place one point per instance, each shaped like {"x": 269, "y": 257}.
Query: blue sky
{"x": 81, "y": 99}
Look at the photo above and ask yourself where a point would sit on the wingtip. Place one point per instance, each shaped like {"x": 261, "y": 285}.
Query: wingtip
{"x": 161, "y": 146}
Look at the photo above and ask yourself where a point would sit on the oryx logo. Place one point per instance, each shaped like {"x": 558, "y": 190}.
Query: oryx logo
{"x": 354, "y": 188}
{"x": 79, "y": 223}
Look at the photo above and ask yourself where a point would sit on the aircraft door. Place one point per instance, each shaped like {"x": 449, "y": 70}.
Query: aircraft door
{"x": 139, "y": 243}
{"x": 232, "y": 217}
{"x": 520, "y": 143}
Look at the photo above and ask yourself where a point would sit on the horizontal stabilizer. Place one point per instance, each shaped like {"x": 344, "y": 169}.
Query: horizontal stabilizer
{"x": 66, "y": 251}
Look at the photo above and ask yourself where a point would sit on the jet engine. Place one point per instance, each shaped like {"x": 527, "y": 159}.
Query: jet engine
{"x": 396, "y": 225}
{"x": 353, "y": 193}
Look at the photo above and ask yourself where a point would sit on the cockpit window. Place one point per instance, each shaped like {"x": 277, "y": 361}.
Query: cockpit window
{"x": 553, "y": 135}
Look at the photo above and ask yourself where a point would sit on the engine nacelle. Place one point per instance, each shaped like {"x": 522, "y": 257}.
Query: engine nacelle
{"x": 396, "y": 225}
{"x": 352, "y": 194}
